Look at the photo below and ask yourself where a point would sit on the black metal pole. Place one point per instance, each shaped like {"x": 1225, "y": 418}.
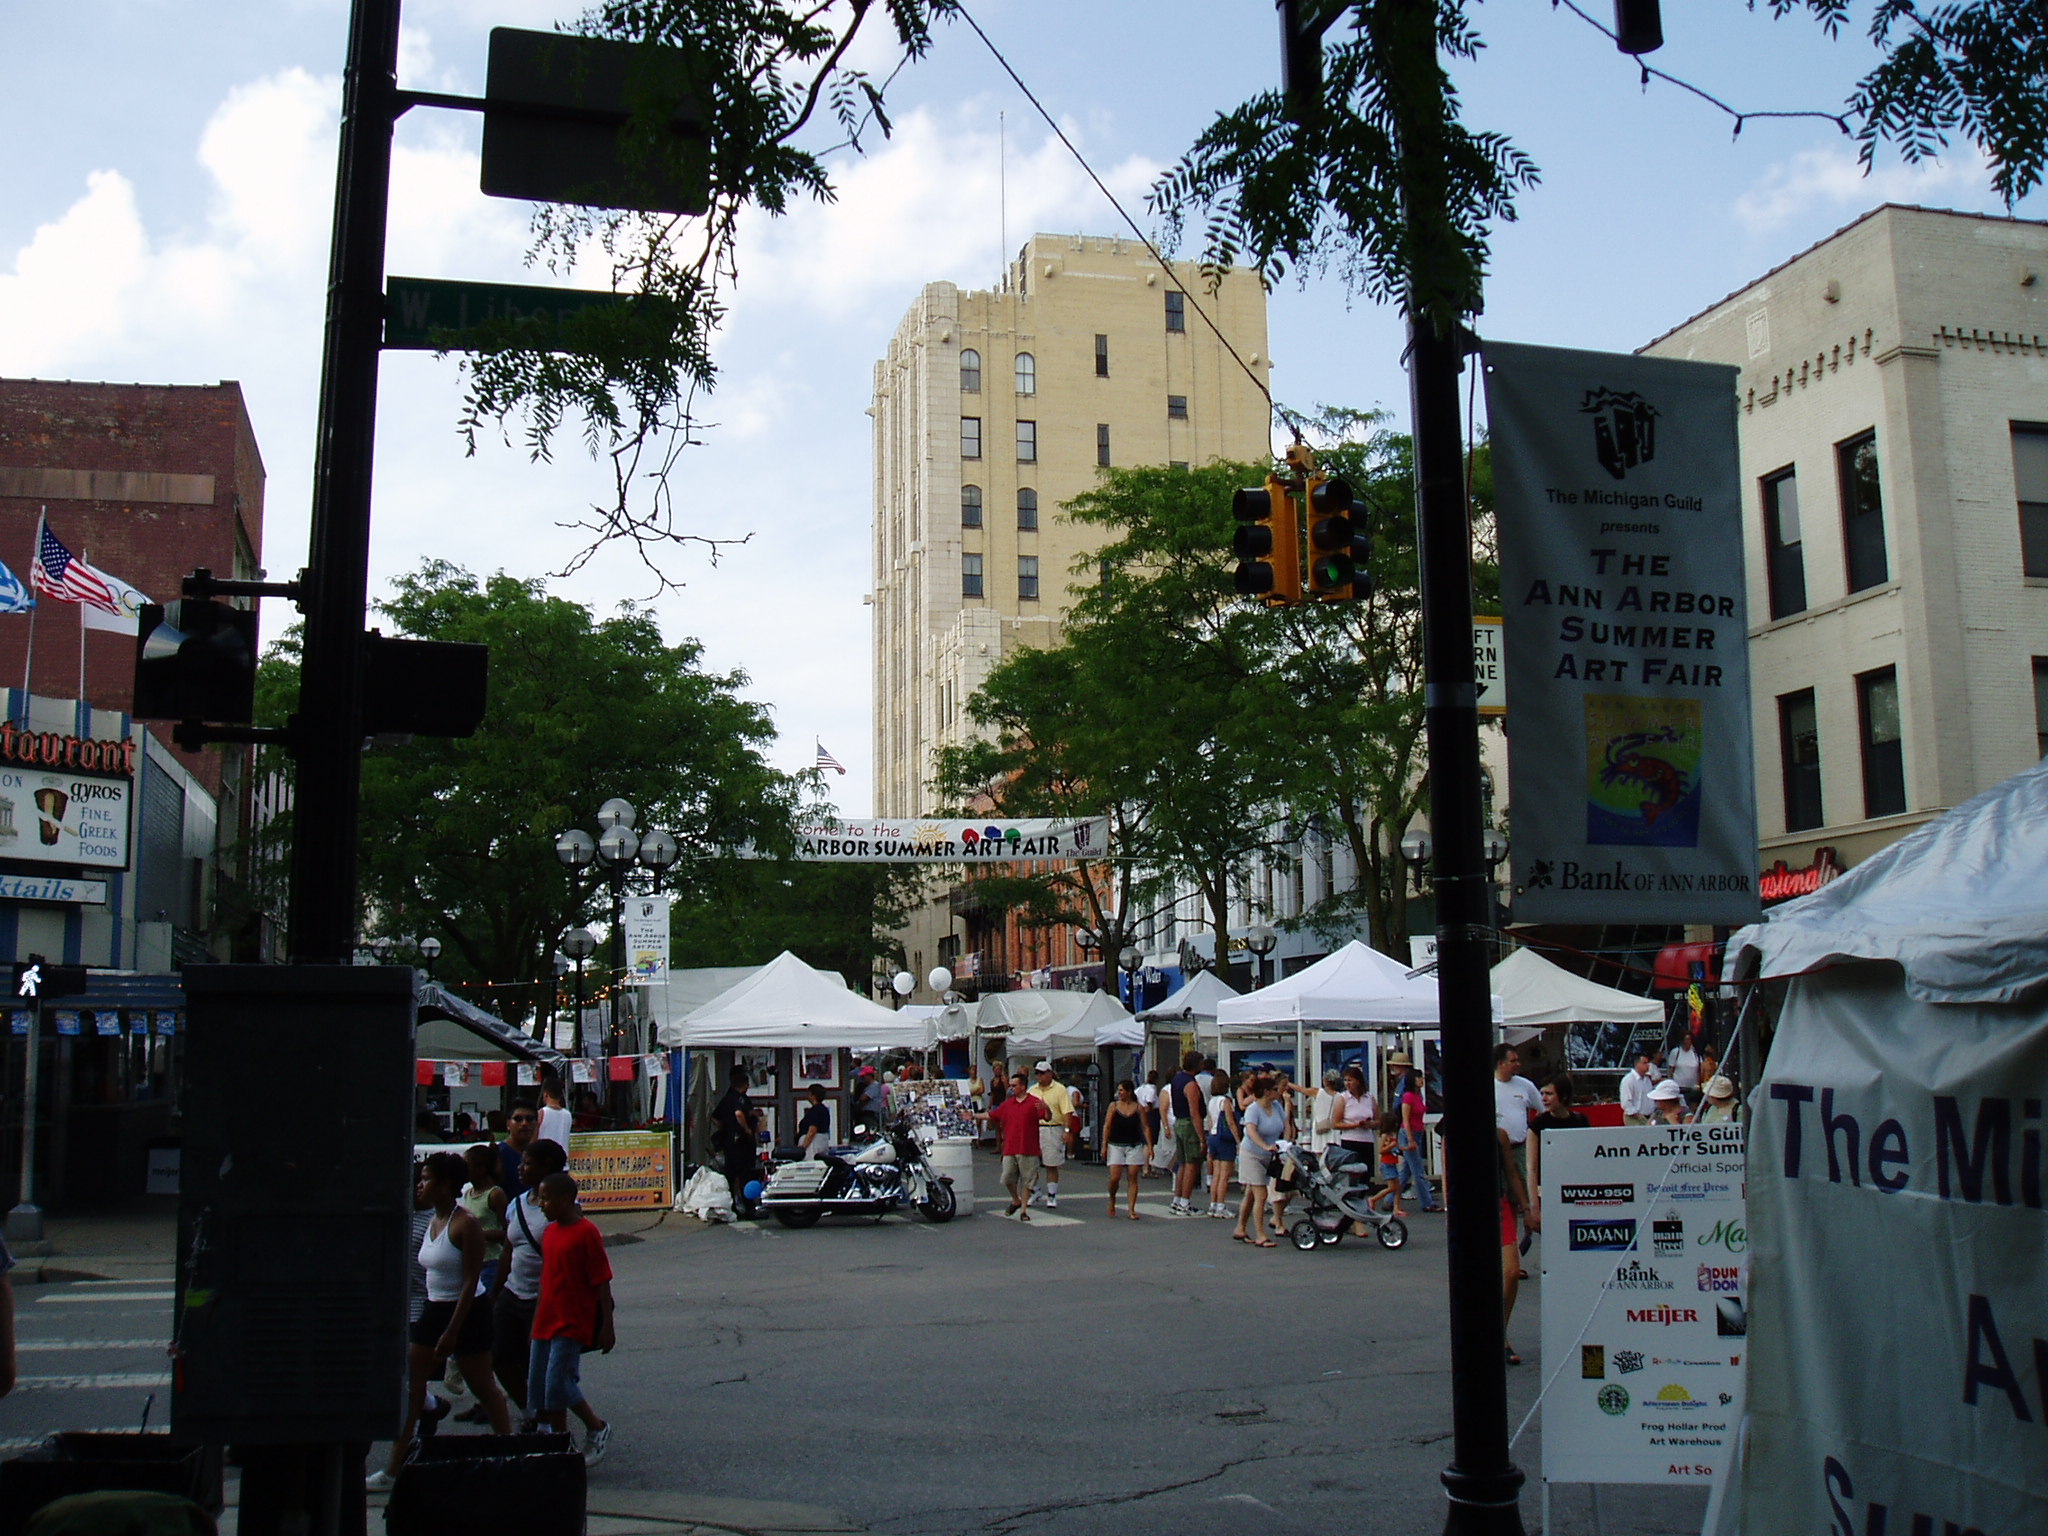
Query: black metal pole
{"x": 314, "y": 1489}
{"x": 1482, "y": 1482}
{"x": 618, "y": 1036}
{"x": 323, "y": 888}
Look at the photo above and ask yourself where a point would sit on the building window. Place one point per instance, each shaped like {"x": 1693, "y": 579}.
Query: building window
{"x": 1176, "y": 311}
{"x": 970, "y": 506}
{"x": 970, "y": 575}
{"x": 1799, "y": 746}
{"x": 1027, "y": 374}
{"x": 1102, "y": 357}
{"x": 1884, "y": 749}
{"x": 2041, "y": 705}
{"x": 1027, "y": 578}
{"x": 1027, "y": 511}
{"x": 1862, "y": 512}
{"x": 1027, "y": 442}
{"x": 1784, "y": 556}
{"x": 970, "y": 437}
{"x": 2030, "y": 478}
{"x": 1102, "y": 443}
{"x": 1176, "y": 407}
{"x": 970, "y": 371}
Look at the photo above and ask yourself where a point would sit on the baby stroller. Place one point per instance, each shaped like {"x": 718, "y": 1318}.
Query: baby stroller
{"x": 1335, "y": 1185}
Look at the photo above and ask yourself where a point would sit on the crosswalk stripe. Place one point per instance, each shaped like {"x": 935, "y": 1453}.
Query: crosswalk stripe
{"x": 103, "y": 1296}
{"x": 148, "y": 1280}
{"x": 29, "y": 1346}
{"x": 95, "y": 1379}
{"x": 30, "y": 1442}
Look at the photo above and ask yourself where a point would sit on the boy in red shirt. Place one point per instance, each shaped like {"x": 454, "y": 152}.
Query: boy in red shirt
{"x": 574, "y": 1313}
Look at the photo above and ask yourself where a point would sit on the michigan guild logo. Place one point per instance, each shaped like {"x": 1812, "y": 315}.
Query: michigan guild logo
{"x": 1613, "y": 1399}
{"x": 1624, "y": 429}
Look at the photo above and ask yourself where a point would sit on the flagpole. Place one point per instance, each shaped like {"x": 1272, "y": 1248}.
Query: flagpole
{"x": 28, "y": 660}
{"x": 84, "y": 558}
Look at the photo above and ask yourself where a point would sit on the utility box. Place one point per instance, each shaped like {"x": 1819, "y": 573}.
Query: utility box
{"x": 294, "y": 1204}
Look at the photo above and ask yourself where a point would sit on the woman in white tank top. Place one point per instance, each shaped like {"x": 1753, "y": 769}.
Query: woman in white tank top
{"x": 455, "y": 1323}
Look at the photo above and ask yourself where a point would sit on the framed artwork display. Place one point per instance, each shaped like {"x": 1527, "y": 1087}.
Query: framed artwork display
{"x": 760, "y": 1065}
{"x": 820, "y": 1067}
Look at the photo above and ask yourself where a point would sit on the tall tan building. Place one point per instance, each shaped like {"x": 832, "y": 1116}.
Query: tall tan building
{"x": 1894, "y": 432}
{"x": 994, "y": 408}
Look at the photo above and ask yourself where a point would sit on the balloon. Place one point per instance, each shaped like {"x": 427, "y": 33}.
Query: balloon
{"x": 753, "y": 1189}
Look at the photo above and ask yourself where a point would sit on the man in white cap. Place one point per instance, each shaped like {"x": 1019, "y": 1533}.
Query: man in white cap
{"x": 1719, "y": 1103}
{"x": 1669, "y": 1101}
{"x": 1052, "y": 1135}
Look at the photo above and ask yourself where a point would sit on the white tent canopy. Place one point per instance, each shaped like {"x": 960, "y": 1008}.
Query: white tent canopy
{"x": 1917, "y": 1013}
{"x": 1194, "y": 1003}
{"x": 787, "y": 1003}
{"x": 1048, "y": 1022}
{"x": 1354, "y": 985}
{"x": 1534, "y": 992}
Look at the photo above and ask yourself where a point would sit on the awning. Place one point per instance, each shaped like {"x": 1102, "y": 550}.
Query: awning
{"x": 451, "y": 1029}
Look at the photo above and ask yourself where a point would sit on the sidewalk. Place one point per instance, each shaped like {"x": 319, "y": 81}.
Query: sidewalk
{"x": 647, "y": 1512}
{"x": 134, "y": 1241}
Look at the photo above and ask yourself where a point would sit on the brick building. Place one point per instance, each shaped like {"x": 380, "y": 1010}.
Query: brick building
{"x": 113, "y": 841}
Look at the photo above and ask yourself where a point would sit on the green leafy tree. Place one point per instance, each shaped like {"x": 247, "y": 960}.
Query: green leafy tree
{"x": 1320, "y": 185}
{"x": 458, "y": 834}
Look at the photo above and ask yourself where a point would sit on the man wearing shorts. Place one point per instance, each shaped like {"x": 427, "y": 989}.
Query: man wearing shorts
{"x": 1017, "y": 1120}
{"x": 1052, "y": 1135}
{"x": 1188, "y": 1106}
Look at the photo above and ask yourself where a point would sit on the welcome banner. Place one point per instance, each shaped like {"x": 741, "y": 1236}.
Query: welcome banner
{"x": 953, "y": 842}
{"x": 1626, "y": 644}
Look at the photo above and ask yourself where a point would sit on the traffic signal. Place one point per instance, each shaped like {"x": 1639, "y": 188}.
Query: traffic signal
{"x": 195, "y": 659}
{"x": 1268, "y": 542}
{"x": 1339, "y": 548}
{"x": 35, "y": 977}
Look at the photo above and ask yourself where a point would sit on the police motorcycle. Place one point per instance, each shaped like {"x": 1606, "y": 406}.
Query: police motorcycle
{"x": 882, "y": 1172}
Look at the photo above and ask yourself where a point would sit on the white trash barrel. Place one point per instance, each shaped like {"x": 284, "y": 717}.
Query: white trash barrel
{"x": 953, "y": 1157}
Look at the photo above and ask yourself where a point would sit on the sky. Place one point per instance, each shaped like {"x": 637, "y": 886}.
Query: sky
{"x": 166, "y": 193}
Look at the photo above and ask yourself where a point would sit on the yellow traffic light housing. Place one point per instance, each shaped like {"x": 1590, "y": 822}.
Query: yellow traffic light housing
{"x": 1338, "y": 545}
{"x": 1268, "y": 541}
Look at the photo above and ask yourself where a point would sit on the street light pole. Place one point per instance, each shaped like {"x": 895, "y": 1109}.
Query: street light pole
{"x": 578, "y": 944}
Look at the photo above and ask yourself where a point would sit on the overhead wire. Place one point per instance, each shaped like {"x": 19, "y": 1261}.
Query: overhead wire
{"x": 1290, "y": 418}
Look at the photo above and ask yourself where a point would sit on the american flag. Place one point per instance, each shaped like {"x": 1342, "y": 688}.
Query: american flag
{"x": 65, "y": 577}
{"x": 827, "y": 760}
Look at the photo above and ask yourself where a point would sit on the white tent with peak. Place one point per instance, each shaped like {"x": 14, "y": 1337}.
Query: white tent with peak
{"x": 1534, "y": 992}
{"x": 1356, "y": 985}
{"x": 1193, "y": 1003}
{"x": 787, "y": 1003}
{"x": 1051, "y": 1022}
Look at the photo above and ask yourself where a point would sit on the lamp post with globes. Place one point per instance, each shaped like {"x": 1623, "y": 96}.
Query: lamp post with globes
{"x": 616, "y": 852}
{"x": 1261, "y": 940}
{"x": 578, "y": 944}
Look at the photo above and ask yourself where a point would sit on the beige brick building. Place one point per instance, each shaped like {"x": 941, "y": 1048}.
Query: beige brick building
{"x": 991, "y": 410}
{"x": 1894, "y": 435}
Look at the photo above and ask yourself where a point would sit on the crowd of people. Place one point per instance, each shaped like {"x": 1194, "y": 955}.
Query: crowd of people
{"x": 511, "y": 1287}
{"x": 1205, "y": 1130}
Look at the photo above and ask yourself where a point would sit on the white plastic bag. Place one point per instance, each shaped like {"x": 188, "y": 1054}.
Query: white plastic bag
{"x": 706, "y": 1196}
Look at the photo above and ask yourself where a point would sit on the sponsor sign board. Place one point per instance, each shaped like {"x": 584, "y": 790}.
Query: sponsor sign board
{"x": 622, "y": 1170}
{"x": 1644, "y": 1318}
{"x": 1626, "y": 644}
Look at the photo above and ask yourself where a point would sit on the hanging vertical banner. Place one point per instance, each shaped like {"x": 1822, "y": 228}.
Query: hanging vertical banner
{"x": 1627, "y": 643}
{"x": 647, "y": 940}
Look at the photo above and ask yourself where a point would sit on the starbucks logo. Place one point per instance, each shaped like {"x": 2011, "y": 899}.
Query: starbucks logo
{"x": 1613, "y": 1399}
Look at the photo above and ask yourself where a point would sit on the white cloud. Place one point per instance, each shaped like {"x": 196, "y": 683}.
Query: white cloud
{"x": 65, "y": 294}
{"x": 1834, "y": 178}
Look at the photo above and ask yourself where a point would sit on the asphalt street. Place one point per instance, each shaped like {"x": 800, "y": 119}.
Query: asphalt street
{"x": 1080, "y": 1375}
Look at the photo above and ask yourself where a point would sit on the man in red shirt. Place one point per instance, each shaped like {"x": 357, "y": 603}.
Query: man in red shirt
{"x": 1018, "y": 1118}
{"x": 574, "y": 1313}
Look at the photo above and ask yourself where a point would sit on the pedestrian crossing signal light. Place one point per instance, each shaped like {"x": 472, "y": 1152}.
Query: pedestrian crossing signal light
{"x": 1339, "y": 548}
{"x": 195, "y": 659}
{"x": 1268, "y": 542}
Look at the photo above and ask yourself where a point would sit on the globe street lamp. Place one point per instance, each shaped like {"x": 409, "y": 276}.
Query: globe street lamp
{"x": 616, "y": 852}
{"x": 579, "y": 944}
{"x": 1261, "y": 941}
{"x": 1129, "y": 959}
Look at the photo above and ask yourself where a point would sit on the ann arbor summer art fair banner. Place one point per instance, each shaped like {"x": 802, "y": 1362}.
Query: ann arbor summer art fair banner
{"x": 1620, "y": 511}
{"x": 931, "y": 841}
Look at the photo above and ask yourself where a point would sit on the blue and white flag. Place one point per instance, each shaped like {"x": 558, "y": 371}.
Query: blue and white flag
{"x": 14, "y": 597}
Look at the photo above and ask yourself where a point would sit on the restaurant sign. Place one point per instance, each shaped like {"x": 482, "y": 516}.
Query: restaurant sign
{"x": 1778, "y": 883}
